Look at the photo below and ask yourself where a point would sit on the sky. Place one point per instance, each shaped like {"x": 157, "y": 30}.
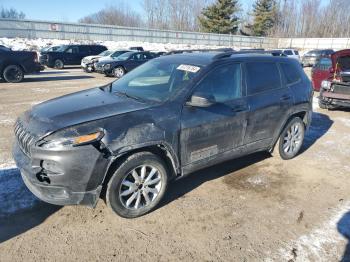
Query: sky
{"x": 63, "y": 10}
{"x": 72, "y": 10}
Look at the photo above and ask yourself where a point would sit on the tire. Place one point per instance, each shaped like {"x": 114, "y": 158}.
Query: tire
{"x": 127, "y": 190}
{"x": 58, "y": 64}
{"x": 13, "y": 74}
{"x": 287, "y": 151}
{"x": 321, "y": 104}
{"x": 119, "y": 71}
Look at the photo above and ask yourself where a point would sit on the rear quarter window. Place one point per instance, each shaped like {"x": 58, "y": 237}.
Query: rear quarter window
{"x": 290, "y": 72}
{"x": 262, "y": 76}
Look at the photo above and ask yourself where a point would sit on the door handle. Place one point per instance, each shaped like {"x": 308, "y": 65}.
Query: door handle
{"x": 286, "y": 97}
{"x": 240, "y": 108}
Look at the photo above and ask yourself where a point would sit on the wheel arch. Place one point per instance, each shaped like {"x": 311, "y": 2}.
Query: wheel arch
{"x": 160, "y": 149}
{"x": 303, "y": 114}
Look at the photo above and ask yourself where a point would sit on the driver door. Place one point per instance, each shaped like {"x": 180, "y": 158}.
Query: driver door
{"x": 210, "y": 132}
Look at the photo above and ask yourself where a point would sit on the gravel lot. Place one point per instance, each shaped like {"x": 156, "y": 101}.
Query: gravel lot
{"x": 257, "y": 208}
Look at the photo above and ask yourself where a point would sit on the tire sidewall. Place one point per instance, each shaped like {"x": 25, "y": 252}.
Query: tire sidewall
{"x": 60, "y": 61}
{"x": 283, "y": 154}
{"x": 113, "y": 187}
{"x": 9, "y": 67}
{"x": 115, "y": 69}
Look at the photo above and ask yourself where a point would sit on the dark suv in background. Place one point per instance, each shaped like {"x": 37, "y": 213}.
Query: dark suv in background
{"x": 69, "y": 55}
{"x": 167, "y": 118}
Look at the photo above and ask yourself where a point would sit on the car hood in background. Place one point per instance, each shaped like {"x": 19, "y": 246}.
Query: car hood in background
{"x": 341, "y": 57}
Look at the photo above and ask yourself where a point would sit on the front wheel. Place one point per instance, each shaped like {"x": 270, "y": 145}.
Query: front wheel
{"x": 58, "y": 64}
{"x": 13, "y": 74}
{"x": 138, "y": 185}
{"x": 291, "y": 139}
{"x": 118, "y": 71}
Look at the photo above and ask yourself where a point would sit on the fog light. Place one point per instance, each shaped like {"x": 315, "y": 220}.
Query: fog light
{"x": 51, "y": 166}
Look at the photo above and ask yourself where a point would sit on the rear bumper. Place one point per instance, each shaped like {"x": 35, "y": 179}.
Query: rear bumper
{"x": 79, "y": 180}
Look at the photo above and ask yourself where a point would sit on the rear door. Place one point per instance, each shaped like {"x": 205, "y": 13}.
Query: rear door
{"x": 269, "y": 101}
{"x": 320, "y": 72}
{"x": 72, "y": 55}
{"x": 207, "y": 132}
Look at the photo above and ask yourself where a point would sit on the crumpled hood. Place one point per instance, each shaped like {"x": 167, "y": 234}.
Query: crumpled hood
{"x": 107, "y": 59}
{"x": 90, "y": 57}
{"x": 77, "y": 108}
{"x": 342, "y": 58}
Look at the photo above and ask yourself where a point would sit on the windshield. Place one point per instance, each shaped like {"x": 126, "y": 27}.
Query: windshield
{"x": 62, "y": 48}
{"x": 156, "y": 80}
{"x": 105, "y": 53}
{"x": 118, "y": 53}
{"x": 125, "y": 56}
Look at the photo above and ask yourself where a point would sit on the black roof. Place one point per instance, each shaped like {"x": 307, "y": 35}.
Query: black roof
{"x": 206, "y": 58}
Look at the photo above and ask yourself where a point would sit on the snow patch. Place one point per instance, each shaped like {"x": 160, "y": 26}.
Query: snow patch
{"x": 14, "y": 195}
{"x": 39, "y": 43}
{"x": 322, "y": 242}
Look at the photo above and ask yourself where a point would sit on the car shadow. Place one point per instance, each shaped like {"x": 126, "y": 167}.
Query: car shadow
{"x": 20, "y": 210}
{"x": 55, "y": 78}
{"x": 320, "y": 125}
{"x": 182, "y": 186}
{"x": 343, "y": 227}
{"x": 49, "y": 73}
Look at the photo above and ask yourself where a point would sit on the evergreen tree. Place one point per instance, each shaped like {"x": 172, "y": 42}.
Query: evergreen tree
{"x": 11, "y": 13}
{"x": 264, "y": 13}
{"x": 220, "y": 17}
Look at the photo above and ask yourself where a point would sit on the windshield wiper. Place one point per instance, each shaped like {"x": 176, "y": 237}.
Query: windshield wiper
{"x": 130, "y": 96}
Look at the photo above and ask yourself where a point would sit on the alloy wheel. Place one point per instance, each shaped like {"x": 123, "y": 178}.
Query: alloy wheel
{"x": 140, "y": 187}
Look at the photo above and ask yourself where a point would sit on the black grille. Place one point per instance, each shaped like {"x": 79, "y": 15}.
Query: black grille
{"x": 24, "y": 138}
{"x": 342, "y": 89}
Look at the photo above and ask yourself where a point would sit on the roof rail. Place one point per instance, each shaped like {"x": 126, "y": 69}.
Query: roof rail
{"x": 199, "y": 51}
{"x": 229, "y": 54}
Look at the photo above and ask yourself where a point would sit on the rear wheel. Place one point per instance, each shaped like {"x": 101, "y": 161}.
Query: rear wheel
{"x": 291, "y": 139}
{"x": 13, "y": 74}
{"x": 137, "y": 186}
{"x": 58, "y": 64}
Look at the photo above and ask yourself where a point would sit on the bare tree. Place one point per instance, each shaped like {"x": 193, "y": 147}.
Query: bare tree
{"x": 174, "y": 14}
{"x": 121, "y": 15}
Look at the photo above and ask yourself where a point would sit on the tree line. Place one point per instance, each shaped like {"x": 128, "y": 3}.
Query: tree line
{"x": 275, "y": 18}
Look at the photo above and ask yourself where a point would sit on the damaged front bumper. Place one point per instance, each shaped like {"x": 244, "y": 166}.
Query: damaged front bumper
{"x": 338, "y": 95}
{"x": 76, "y": 176}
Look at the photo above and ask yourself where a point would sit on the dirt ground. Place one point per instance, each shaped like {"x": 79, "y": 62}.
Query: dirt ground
{"x": 256, "y": 208}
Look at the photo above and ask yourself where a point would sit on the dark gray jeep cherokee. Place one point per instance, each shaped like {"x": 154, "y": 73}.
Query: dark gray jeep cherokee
{"x": 167, "y": 118}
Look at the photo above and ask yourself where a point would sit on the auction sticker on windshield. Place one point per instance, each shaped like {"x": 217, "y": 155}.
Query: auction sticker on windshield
{"x": 188, "y": 68}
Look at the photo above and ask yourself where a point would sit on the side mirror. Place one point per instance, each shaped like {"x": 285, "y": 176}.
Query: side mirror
{"x": 201, "y": 100}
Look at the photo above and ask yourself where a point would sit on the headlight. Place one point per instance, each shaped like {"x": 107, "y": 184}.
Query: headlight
{"x": 107, "y": 66}
{"x": 325, "y": 84}
{"x": 73, "y": 141}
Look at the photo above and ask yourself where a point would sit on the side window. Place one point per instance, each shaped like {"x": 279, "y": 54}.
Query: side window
{"x": 325, "y": 63}
{"x": 288, "y": 52}
{"x": 73, "y": 50}
{"x": 223, "y": 83}
{"x": 135, "y": 57}
{"x": 262, "y": 76}
{"x": 290, "y": 73}
{"x": 84, "y": 49}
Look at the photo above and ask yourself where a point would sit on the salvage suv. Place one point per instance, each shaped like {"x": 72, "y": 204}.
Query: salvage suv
{"x": 165, "y": 119}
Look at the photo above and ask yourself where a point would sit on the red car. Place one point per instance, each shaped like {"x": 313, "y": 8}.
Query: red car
{"x": 334, "y": 82}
